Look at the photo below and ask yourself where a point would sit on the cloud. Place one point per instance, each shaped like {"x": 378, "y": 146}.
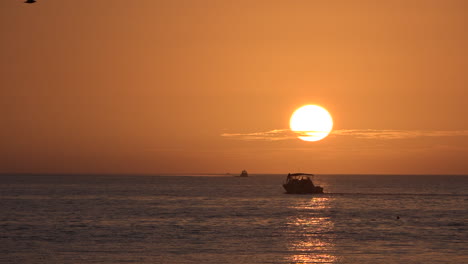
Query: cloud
{"x": 397, "y": 134}
{"x": 387, "y": 134}
{"x": 272, "y": 135}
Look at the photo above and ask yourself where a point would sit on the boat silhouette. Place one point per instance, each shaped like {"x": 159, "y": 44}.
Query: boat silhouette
{"x": 243, "y": 174}
{"x": 298, "y": 183}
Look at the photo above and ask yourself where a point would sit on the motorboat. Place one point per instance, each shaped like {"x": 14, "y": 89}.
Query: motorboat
{"x": 243, "y": 174}
{"x": 300, "y": 183}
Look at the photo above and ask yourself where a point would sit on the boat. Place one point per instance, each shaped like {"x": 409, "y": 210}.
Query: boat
{"x": 243, "y": 174}
{"x": 300, "y": 183}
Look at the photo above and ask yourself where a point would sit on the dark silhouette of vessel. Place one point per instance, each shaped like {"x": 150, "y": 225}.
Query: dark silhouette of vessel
{"x": 299, "y": 183}
{"x": 243, "y": 174}
{"x": 30, "y": 1}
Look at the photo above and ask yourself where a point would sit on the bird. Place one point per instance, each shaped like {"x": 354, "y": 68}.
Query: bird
{"x": 30, "y": 1}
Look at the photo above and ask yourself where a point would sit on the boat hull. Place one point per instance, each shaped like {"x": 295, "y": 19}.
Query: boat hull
{"x": 299, "y": 188}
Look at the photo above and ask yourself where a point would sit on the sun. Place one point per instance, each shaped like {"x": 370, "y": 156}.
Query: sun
{"x": 311, "y": 122}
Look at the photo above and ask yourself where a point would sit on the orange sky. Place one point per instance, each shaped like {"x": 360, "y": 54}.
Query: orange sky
{"x": 153, "y": 86}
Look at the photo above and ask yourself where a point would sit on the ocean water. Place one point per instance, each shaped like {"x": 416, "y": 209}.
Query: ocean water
{"x": 222, "y": 219}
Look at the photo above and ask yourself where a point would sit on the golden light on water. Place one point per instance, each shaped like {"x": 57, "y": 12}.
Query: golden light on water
{"x": 311, "y": 233}
{"x": 311, "y": 122}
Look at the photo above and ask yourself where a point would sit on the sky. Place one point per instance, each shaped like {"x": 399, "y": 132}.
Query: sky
{"x": 208, "y": 86}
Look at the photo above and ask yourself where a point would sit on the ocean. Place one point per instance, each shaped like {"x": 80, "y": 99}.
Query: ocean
{"x": 224, "y": 219}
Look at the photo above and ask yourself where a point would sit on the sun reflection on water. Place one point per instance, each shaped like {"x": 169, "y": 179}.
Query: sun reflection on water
{"x": 310, "y": 232}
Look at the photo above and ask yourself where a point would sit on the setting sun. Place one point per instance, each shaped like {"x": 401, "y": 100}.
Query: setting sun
{"x": 311, "y": 122}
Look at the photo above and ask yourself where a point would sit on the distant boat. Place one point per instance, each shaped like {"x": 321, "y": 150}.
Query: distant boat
{"x": 301, "y": 183}
{"x": 243, "y": 174}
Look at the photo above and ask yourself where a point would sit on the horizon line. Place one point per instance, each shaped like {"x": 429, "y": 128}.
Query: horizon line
{"x": 216, "y": 174}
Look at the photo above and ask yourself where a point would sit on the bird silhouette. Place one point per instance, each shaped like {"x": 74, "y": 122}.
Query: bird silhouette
{"x": 30, "y": 1}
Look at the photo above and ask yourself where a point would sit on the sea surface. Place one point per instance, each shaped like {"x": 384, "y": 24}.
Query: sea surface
{"x": 225, "y": 219}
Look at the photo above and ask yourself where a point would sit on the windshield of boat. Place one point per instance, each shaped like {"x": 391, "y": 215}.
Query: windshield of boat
{"x": 298, "y": 177}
